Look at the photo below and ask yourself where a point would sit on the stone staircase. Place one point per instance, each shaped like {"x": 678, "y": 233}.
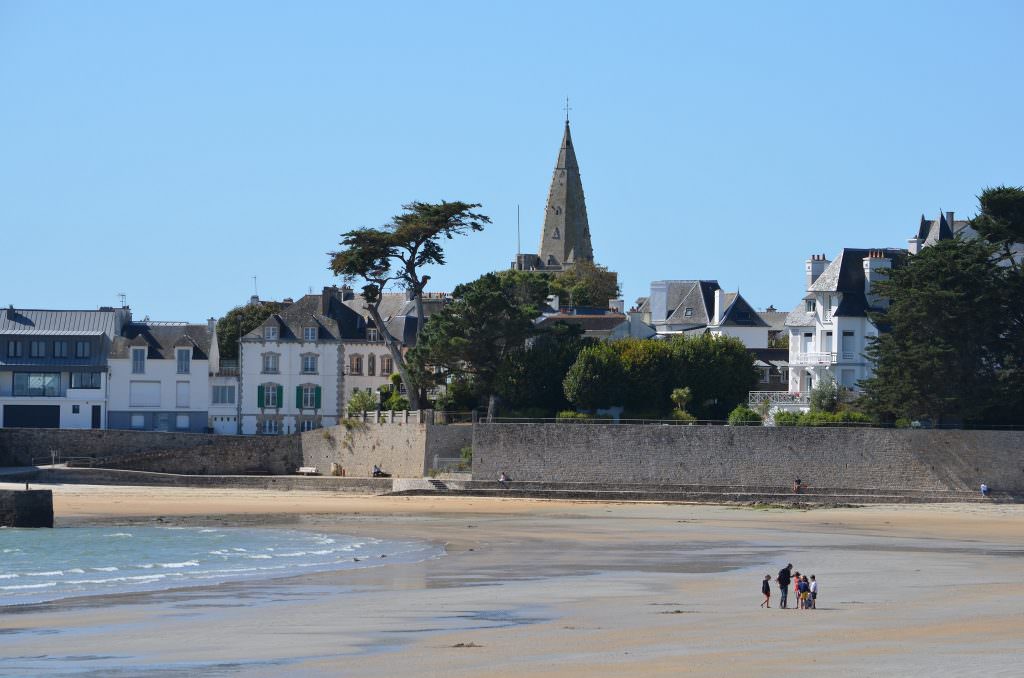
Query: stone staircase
{"x": 701, "y": 493}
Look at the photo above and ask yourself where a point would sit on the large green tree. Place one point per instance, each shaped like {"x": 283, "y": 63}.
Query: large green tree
{"x": 238, "y": 322}
{"x": 596, "y": 379}
{"x": 942, "y": 354}
{"x": 1001, "y": 220}
{"x": 585, "y": 284}
{"x": 395, "y": 255}
{"x": 718, "y": 370}
{"x": 532, "y": 374}
{"x": 470, "y": 337}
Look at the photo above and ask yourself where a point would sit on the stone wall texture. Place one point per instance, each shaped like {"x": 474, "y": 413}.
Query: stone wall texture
{"x": 403, "y": 449}
{"x": 753, "y": 456}
{"x": 26, "y": 508}
{"x": 155, "y": 451}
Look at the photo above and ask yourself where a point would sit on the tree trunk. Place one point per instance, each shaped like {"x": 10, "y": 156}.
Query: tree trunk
{"x": 492, "y": 405}
{"x": 396, "y": 355}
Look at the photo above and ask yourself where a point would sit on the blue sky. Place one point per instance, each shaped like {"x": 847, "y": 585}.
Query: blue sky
{"x": 174, "y": 150}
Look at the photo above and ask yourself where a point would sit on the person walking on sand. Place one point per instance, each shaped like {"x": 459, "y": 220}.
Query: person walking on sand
{"x": 814, "y": 593}
{"x": 783, "y": 580}
{"x": 766, "y": 591}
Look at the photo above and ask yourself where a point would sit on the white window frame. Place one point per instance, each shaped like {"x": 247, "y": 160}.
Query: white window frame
{"x": 387, "y": 365}
{"x": 183, "y": 359}
{"x": 313, "y": 363}
{"x": 372, "y": 334}
{"x": 270, "y": 427}
{"x": 271, "y": 363}
{"x": 270, "y": 333}
{"x": 140, "y": 363}
{"x": 307, "y": 425}
{"x": 270, "y": 394}
{"x": 83, "y": 348}
{"x": 308, "y": 396}
{"x": 226, "y": 394}
{"x": 309, "y": 334}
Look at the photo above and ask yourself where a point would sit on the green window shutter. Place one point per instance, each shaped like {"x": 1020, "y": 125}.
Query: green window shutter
{"x": 280, "y": 396}
{"x": 317, "y": 398}
{"x": 259, "y": 396}
{"x": 298, "y": 397}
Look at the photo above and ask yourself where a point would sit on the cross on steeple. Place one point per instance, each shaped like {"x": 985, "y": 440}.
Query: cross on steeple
{"x": 567, "y": 109}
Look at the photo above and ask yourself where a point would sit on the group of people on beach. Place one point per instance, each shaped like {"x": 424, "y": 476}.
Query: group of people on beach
{"x": 805, "y": 589}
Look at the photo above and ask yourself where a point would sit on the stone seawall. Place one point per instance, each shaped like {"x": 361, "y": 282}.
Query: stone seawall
{"x": 403, "y": 449}
{"x": 154, "y": 451}
{"x": 26, "y": 508}
{"x": 751, "y": 456}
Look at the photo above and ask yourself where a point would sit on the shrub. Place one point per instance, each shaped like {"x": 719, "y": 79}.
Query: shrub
{"x": 825, "y": 396}
{"x": 902, "y": 422}
{"x": 361, "y": 401}
{"x": 683, "y": 416}
{"x": 570, "y": 415}
{"x": 787, "y": 418}
{"x": 744, "y": 416}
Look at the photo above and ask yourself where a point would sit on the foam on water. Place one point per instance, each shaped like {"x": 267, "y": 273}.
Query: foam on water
{"x": 46, "y": 565}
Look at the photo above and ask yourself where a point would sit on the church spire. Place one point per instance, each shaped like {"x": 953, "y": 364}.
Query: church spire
{"x": 565, "y": 239}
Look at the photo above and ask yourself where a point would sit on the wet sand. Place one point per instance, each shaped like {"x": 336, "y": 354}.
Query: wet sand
{"x": 540, "y": 588}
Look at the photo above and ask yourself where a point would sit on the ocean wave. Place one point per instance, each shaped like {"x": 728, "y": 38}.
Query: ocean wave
{"x": 51, "y": 573}
{"x": 104, "y": 569}
{"x": 28, "y": 586}
{"x": 118, "y": 534}
{"x": 9, "y": 576}
{"x": 260, "y": 556}
{"x": 187, "y": 563}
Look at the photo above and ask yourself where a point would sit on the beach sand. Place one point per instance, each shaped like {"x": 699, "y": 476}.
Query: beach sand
{"x": 539, "y": 588}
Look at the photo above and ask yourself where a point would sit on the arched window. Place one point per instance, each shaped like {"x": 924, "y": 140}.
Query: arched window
{"x": 355, "y": 364}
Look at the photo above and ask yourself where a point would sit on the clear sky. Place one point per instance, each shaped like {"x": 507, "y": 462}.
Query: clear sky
{"x": 174, "y": 150}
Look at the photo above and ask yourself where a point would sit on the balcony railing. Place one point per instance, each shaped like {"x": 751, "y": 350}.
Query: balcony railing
{"x": 756, "y": 398}
{"x": 813, "y": 359}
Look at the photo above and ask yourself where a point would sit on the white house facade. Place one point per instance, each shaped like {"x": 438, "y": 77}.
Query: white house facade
{"x": 160, "y": 377}
{"x": 702, "y": 306}
{"x": 829, "y": 330}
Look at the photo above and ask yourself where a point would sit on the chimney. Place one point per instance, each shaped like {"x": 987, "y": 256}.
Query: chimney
{"x": 347, "y": 293}
{"x": 719, "y": 306}
{"x": 287, "y": 301}
{"x": 211, "y": 324}
{"x": 814, "y": 267}
{"x": 876, "y": 267}
{"x": 254, "y": 300}
{"x": 617, "y": 305}
{"x": 949, "y": 220}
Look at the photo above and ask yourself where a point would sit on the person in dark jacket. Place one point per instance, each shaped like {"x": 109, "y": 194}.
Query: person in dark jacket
{"x": 783, "y": 580}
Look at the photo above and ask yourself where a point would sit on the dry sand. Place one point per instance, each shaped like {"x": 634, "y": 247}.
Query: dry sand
{"x": 537, "y": 588}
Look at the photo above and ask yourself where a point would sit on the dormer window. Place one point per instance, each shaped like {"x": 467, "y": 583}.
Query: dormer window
{"x": 688, "y": 312}
{"x": 309, "y": 333}
{"x": 184, "y": 360}
{"x": 270, "y": 333}
{"x": 372, "y": 334}
{"x": 138, "y": 361}
{"x": 809, "y": 305}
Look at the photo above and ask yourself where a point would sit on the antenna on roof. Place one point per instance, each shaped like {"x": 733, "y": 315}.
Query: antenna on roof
{"x": 123, "y": 297}
{"x": 519, "y": 244}
{"x": 255, "y": 290}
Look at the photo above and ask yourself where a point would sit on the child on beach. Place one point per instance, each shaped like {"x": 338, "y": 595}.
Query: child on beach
{"x": 804, "y": 589}
{"x": 766, "y": 590}
{"x": 814, "y": 593}
{"x": 796, "y": 590}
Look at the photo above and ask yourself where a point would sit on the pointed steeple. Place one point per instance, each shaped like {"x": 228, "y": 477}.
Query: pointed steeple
{"x": 566, "y": 237}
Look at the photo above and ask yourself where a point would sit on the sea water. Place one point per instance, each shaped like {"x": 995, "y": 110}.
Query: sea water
{"x": 41, "y": 565}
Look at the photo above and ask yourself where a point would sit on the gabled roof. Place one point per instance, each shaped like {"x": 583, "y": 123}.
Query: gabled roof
{"x": 162, "y": 339}
{"x": 327, "y": 312}
{"x": 738, "y": 313}
{"x": 846, "y": 272}
{"x": 933, "y": 230}
{"x": 776, "y": 320}
{"x": 688, "y": 302}
{"x": 800, "y": 317}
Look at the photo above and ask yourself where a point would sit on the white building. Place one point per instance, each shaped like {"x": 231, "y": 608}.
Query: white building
{"x": 830, "y": 329}
{"x": 53, "y": 366}
{"x": 702, "y": 306}
{"x": 160, "y": 377}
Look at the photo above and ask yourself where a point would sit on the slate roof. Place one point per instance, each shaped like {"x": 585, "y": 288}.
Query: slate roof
{"x": 846, "y": 273}
{"x": 776, "y": 320}
{"x": 799, "y": 317}
{"x": 778, "y": 357}
{"x": 161, "y": 339}
{"x": 931, "y": 231}
{"x": 327, "y": 312}
{"x": 696, "y": 295}
{"x": 62, "y": 323}
{"x": 590, "y": 324}
{"x": 738, "y": 313}
{"x": 399, "y": 313}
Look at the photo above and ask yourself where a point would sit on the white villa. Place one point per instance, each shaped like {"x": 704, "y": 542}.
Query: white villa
{"x": 702, "y": 306}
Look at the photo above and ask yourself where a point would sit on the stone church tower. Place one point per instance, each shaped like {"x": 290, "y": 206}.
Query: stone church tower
{"x": 565, "y": 240}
